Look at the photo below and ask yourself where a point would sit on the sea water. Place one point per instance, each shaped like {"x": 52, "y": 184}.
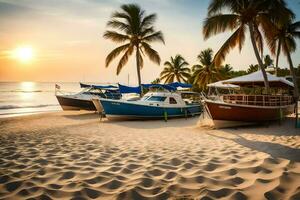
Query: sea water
{"x": 22, "y": 98}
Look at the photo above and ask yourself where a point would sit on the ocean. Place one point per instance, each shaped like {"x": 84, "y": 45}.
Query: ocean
{"x": 23, "y": 98}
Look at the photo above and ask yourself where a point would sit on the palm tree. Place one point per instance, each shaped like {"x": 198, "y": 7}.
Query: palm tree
{"x": 252, "y": 68}
{"x": 205, "y": 72}
{"x": 226, "y": 71}
{"x": 156, "y": 81}
{"x": 284, "y": 39}
{"x": 175, "y": 69}
{"x": 268, "y": 61}
{"x": 136, "y": 31}
{"x": 243, "y": 14}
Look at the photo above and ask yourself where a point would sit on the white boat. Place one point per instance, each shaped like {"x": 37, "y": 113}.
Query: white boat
{"x": 83, "y": 99}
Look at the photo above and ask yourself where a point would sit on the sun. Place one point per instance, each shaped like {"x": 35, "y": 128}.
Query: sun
{"x": 23, "y": 53}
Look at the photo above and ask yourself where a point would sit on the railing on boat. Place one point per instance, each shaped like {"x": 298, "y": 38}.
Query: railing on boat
{"x": 259, "y": 100}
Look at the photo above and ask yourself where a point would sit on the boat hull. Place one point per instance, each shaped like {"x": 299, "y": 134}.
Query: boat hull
{"x": 69, "y": 103}
{"x": 121, "y": 110}
{"x": 229, "y": 115}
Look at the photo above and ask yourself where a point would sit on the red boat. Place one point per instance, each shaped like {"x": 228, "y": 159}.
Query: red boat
{"x": 230, "y": 110}
{"x": 236, "y": 110}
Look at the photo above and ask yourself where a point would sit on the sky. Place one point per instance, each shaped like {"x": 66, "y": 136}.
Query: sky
{"x": 68, "y": 45}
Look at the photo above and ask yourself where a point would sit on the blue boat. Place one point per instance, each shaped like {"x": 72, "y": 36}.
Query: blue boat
{"x": 164, "y": 104}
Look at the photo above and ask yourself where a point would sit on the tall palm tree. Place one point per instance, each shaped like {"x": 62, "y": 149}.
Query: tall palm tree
{"x": 175, "y": 69}
{"x": 136, "y": 30}
{"x": 243, "y": 14}
{"x": 205, "y": 72}
{"x": 284, "y": 40}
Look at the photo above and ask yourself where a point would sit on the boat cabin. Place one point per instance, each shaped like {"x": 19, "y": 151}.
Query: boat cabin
{"x": 163, "y": 98}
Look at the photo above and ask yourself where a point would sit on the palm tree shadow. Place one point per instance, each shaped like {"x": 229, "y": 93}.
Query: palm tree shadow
{"x": 273, "y": 149}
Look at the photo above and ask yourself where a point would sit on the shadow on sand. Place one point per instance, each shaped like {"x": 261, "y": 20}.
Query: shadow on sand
{"x": 82, "y": 115}
{"x": 273, "y": 149}
{"x": 154, "y": 124}
{"x": 284, "y": 128}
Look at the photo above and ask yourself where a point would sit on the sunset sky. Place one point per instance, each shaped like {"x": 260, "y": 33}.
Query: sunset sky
{"x": 62, "y": 40}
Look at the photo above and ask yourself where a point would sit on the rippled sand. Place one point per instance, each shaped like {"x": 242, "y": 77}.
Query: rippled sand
{"x": 71, "y": 155}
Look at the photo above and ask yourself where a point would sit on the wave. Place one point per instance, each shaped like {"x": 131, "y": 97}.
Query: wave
{"x": 6, "y": 107}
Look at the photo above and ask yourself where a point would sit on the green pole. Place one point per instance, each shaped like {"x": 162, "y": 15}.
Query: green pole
{"x": 165, "y": 115}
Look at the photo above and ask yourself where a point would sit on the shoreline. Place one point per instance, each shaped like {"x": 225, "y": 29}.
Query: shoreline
{"x": 64, "y": 155}
{"x": 4, "y": 114}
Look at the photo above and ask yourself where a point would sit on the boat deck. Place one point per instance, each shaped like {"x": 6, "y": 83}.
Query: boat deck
{"x": 259, "y": 100}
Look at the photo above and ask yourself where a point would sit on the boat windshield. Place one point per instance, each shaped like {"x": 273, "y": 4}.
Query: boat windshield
{"x": 156, "y": 98}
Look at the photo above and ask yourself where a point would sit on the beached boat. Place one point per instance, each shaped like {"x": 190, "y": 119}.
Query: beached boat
{"x": 230, "y": 110}
{"x": 159, "y": 104}
{"x": 83, "y": 99}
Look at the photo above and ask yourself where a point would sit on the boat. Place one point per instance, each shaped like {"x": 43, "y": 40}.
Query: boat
{"x": 83, "y": 99}
{"x": 245, "y": 108}
{"x": 164, "y": 103}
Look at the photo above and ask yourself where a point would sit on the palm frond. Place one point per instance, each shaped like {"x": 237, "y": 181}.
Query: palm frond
{"x": 148, "y": 20}
{"x": 289, "y": 45}
{"x": 119, "y": 25}
{"x": 217, "y": 6}
{"x": 296, "y": 34}
{"x": 124, "y": 59}
{"x": 169, "y": 64}
{"x": 114, "y": 53}
{"x": 164, "y": 76}
{"x": 230, "y": 43}
{"x": 151, "y": 53}
{"x": 154, "y": 37}
{"x": 135, "y": 14}
{"x": 186, "y": 74}
{"x": 115, "y": 36}
{"x": 219, "y": 23}
{"x": 147, "y": 31}
{"x": 295, "y": 26}
{"x": 164, "y": 72}
{"x": 120, "y": 15}
{"x": 196, "y": 67}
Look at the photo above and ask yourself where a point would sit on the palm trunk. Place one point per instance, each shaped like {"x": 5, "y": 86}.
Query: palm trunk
{"x": 260, "y": 63}
{"x": 292, "y": 71}
{"x": 277, "y": 57}
{"x": 296, "y": 91}
{"x": 138, "y": 68}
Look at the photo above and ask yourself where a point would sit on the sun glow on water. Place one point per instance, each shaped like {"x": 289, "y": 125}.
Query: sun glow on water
{"x": 27, "y": 89}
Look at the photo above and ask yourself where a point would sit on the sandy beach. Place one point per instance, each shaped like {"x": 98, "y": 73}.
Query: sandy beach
{"x": 65, "y": 155}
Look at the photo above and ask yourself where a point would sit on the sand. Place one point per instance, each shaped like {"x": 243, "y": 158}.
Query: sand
{"x": 67, "y": 155}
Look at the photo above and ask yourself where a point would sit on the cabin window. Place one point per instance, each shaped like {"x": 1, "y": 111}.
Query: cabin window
{"x": 172, "y": 100}
{"x": 156, "y": 98}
